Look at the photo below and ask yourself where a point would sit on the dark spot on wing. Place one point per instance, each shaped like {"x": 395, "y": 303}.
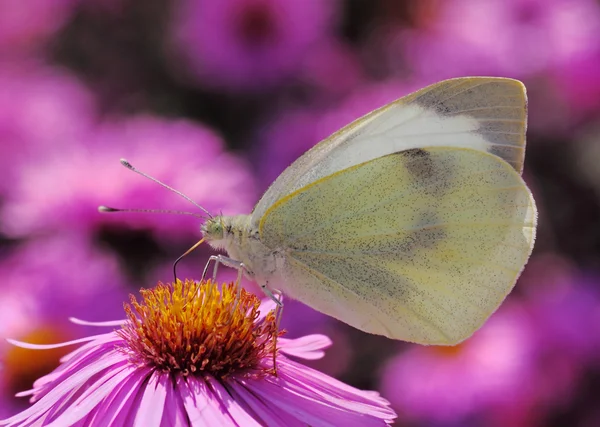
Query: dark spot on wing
{"x": 419, "y": 163}
{"x": 431, "y": 173}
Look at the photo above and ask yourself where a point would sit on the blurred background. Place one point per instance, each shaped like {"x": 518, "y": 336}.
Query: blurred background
{"x": 216, "y": 98}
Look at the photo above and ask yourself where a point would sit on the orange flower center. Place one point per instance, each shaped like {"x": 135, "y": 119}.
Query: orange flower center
{"x": 199, "y": 328}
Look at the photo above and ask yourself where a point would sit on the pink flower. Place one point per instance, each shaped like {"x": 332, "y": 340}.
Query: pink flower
{"x": 196, "y": 354}
{"x": 248, "y": 44}
{"x": 42, "y": 110}
{"x": 449, "y": 384}
{"x": 40, "y": 287}
{"x": 26, "y": 25}
{"x": 41, "y": 274}
{"x": 514, "y": 38}
{"x": 64, "y": 188}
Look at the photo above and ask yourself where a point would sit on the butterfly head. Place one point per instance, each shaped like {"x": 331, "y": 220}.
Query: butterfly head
{"x": 215, "y": 231}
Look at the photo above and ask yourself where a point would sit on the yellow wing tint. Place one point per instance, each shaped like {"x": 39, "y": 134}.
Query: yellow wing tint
{"x": 421, "y": 245}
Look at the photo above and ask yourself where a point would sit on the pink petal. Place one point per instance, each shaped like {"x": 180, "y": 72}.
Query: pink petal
{"x": 75, "y": 381}
{"x": 150, "y": 410}
{"x": 116, "y": 408}
{"x": 93, "y": 395}
{"x": 234, "y": 409}
{"x": 266, "y": 306}
{"x": 91, "y": 356}
{"x": 201, "y": 405}
{"x": 308, "y": 347}
{"x": 88, "y": 323}
{"x": 51, "y": 346}
{"x": 328, "y": 389}
{"x": 175, "y": 413}
{"x": 263, "y": 409}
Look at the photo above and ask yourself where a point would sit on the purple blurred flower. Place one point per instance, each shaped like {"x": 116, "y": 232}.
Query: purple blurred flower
{"x": 331, "y": 70}
{"x": 184, "y": 358}
{"x": 41, "y": 286}
{"x": 578, "y": 83}
{"x": 515, "y": 38}
{"x": 447, "y": 384}
{"x": 249, "y": 44}
{"x": 26, "y": 25}
{"x": 42, "y": 110}
{"x": 63, "y": 189}
{"x": 45, "y": 275}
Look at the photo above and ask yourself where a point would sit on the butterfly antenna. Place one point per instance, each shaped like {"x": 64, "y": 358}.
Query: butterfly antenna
{"x": 145, "y": 175}
{"x": 108, "y": 209}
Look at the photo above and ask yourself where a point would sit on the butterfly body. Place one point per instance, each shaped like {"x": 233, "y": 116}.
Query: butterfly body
{"x": 241, "y": 241}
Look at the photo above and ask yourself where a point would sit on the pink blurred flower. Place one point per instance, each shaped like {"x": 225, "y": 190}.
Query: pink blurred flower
{"x": 449, "y": 384}
{"x": 514, "y": 38}
{"x": 331, "y": 70}
{"x": 248, "y": 44}
{"x": 63, "y": 189}
{"x": 42, "y": 285}
{"x": 45, "y": 276}
{"x": 211, "y": 364}
{"x": 578, "y": 83}
{"x": 27, "y": 25}
{"x": 42, "y": 110}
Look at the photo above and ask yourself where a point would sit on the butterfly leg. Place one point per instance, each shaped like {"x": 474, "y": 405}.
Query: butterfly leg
{"x": 279, "y": 311}
{"x": 227, "y": 262}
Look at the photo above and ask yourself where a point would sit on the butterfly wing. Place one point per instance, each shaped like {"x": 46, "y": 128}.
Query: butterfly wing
{"x": 483, "y": 113}
{"x": 421, "y": 245}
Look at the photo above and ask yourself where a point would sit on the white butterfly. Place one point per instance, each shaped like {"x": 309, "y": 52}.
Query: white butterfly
{"x": 412, "y": 222}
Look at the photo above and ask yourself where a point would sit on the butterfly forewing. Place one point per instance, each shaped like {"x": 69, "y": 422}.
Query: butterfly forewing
{"x": 483, "y": 113}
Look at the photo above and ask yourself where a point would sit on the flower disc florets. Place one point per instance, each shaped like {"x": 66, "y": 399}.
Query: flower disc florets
{"x": 197, "y": 328}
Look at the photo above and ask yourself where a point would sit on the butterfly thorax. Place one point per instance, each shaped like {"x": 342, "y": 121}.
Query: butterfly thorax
{"x": 237, "y": 236}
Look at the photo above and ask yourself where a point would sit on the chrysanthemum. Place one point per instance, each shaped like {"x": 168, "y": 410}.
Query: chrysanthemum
{"x": 196, "y": 354}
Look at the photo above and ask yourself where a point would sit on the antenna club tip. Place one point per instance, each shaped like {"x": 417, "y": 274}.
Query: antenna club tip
{"x": 104, "y": 209}
{"x": 125, "y": 163}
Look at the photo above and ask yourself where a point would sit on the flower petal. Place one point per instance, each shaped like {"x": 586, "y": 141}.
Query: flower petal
{"x": 309, "y": 347}
{"x": 263, "y": 409}
{"x": 77, "y": 321}
{"x": 118, "y": 405}
{"x": 175, "y": 413}
{"x": 327, "y": 387}
{"x": 149, "y": 412}
{"x": 68, "y": 384}
{"x": 234, "y": 409}
{"x": 201, "y": 405}
{"x": 93, "y": 395}
{"x": 266, "y": 306}
{"x": 93, "y": 354}
{"x": 51, "y": 346}
{"x": 315, "y": 402}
